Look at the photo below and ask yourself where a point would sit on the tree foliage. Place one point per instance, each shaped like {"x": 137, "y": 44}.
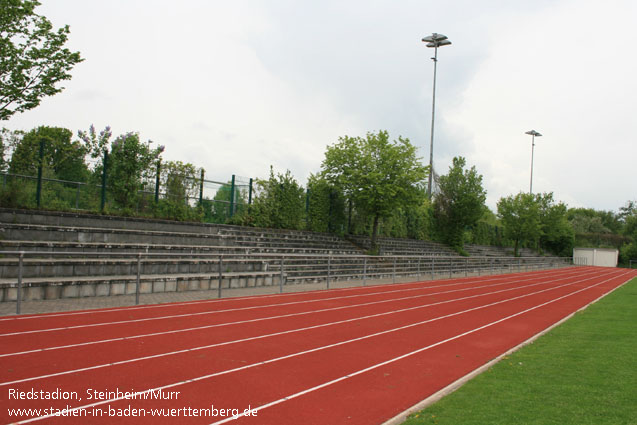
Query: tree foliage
{"x": 65, "y": 158}
{"x": 460, "y": 202}
{"x": 377, "y": 175}
{"x": 327, "y": 206}
{"x": 556, "y": 233}
{"x": 129, "y": 163}
{"x": 95, "y": 144}
{"x": 538, "y": 221}
{"x": 278, "y": 202}
{"x": 33, "y": 59}
{"x": 629, "y": 216}
{"x": 589, "y": 220}
{"x": 520, "y": 217}
{"x": 179, "y": 184}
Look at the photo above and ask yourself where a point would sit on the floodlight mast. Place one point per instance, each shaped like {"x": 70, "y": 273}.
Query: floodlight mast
{"x": 434, "y": 40}
{"x": 533, "y": 135}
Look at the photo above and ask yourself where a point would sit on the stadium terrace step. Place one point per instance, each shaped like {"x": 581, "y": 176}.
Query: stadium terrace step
{"x": 43, "y": 288}
{"x": 121, "y": 236}
{"x": 134, "y": 248}
{"x": 76, "y": 267}
{"x": 394, "y": 246}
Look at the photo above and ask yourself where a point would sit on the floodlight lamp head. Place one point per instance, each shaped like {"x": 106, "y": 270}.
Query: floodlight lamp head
{"x": 533, "y": 133}
{"x": 436, "y": 40}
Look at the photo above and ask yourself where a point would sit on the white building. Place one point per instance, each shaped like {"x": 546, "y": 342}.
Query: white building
{"x": 604, "y": 257}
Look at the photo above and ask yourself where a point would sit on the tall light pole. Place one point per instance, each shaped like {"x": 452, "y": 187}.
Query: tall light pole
{"x": 533, "y": 135}
{"x": 434, "y": 40}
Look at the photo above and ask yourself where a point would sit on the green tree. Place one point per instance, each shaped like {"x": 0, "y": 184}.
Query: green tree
{"x": 487, "y": 231}
{"x": 588, "y": 220}
{"x": 33, "y": 59}
{"x": 63, "y": 156}
{"x": 520, "y": 215}
{"x": 557, "y": 235}
{"x": 130, "y": 161}
{"x": 377, "y": 175}
{"x": 218, "y": 210}
{"x": 278, "y": 202}
{"x": 326, "y": 212}
{"x": 180, "y": 185}
{"x": 628, "y": 251}
{"x": 460, "y": 202}
{"x": 179, "y": 181}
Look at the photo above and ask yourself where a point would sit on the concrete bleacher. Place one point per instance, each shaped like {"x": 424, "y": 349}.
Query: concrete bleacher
{"x": 81, "y": 255}
{"x": 396, "y": 246}
{"x": 102, "y": 253}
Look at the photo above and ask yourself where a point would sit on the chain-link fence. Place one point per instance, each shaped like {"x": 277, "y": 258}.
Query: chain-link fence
{"x": 158, "y": 195}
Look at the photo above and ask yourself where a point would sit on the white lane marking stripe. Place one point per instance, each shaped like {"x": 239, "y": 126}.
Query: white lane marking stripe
{"x": 401, "y": 357}
{"x": 201, "y": 378}
{"x": 222, "y": 311}
{"x": 263, "y": 318}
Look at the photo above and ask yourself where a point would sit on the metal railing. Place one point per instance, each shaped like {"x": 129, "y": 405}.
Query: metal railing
{"x": 223, "y": 271}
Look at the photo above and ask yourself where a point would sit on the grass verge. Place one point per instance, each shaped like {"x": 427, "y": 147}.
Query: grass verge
{"x": 582, "y": 372}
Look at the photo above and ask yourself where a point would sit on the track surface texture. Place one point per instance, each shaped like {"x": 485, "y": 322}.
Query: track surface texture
{"x": 348, "y": 356}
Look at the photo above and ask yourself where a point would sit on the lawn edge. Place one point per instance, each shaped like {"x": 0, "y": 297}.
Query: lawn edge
{"x": 402, "y": 416}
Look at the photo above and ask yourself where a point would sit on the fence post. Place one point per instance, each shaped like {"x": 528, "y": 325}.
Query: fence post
{"x": 466, "y": 267}
{"x": 450, "y": 265}
{"x": 281, "y": 280}
{"x": 364, "y": 271}
{"x": 201, "y": 188}
{"x": 105, "y": 166}
{"x": 250, "y": 195}
{"x": 38, "y": 191}
{"x": 232, "y": 196}
{"x": 220, "y": 275}
{"x": 20, "y": 266}
{"x": 139, "y": 266}
{"x": 393, "y": 274}
{"x": 433, "y": 267}
{"x": 329, "y": 266}
{"x": 157, "y": 181}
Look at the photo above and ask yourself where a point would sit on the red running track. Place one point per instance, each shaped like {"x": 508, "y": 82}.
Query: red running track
{"x": 347, "y": 356}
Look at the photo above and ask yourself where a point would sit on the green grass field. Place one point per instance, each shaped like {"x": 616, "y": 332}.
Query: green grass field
{"x": 582, "y": 372}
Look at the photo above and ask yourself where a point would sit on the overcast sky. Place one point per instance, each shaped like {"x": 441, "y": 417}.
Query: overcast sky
{"x": 237, "y": 86}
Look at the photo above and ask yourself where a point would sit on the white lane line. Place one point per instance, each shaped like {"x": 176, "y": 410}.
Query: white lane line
{"x": 227, "y": 310}
{"x": 251, "y": 297}
{"x": 204, "y": 347}
{"x": 401, "y": 357}
{"x": 225, "y": 372}
{"x": 131, "y": 337}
